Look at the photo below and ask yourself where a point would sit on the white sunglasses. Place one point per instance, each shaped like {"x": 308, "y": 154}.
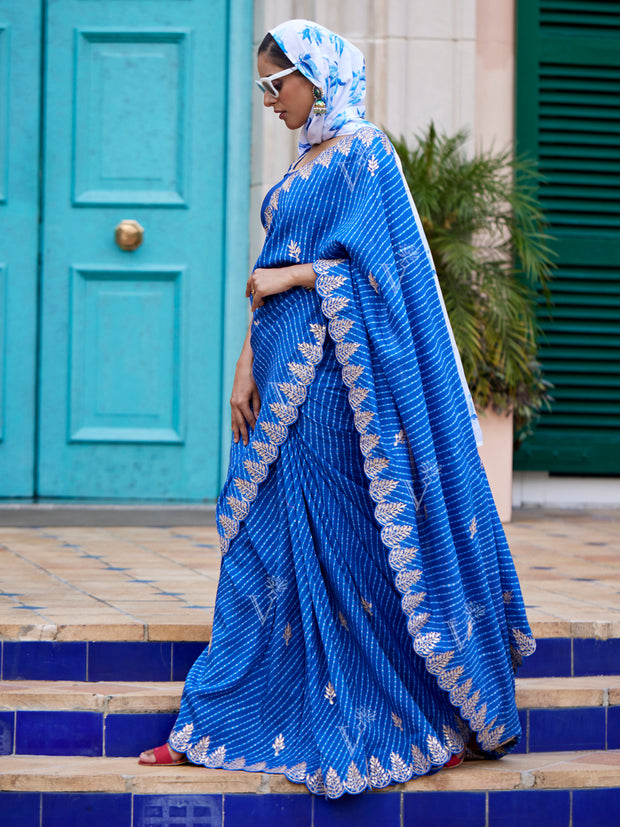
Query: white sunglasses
{"x": 266, "y": 85}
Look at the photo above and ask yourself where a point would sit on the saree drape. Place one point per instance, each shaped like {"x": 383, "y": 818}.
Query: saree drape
{"x": 368, "y": 617}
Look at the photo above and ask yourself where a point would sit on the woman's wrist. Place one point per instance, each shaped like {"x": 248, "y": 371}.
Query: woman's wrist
{"x": 302, "y": 275}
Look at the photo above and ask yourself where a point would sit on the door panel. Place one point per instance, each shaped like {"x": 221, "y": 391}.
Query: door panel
{"x": 131, "y": 341}
{"x": 20, "y": 39}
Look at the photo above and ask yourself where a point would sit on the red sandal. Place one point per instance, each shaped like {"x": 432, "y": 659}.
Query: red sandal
{"x": 455, "y": 760}
{"x": 163, "y": 756}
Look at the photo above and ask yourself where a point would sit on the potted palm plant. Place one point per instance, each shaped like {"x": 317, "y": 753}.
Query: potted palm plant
{"x": 486, "y": 232}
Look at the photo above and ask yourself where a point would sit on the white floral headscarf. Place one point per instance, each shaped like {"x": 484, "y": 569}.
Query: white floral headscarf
{"x": 336, "y": 67}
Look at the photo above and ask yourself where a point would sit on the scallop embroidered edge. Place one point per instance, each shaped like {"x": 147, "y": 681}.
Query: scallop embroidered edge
{"x": 393, "y": 534}
{"x": 263, "y": 452}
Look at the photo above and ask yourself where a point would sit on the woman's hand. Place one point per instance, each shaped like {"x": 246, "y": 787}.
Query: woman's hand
{"x": 245, "y": 398}
{"x": 268, "y": 281}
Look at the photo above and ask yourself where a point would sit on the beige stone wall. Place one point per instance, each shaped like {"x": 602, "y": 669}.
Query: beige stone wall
{"x": 449, "y": 60}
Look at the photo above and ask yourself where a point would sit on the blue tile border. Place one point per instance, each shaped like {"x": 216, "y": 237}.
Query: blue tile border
{"x": 267, "y": 810}
{"x": 554, "y": 730}
{"x": 534, "y": 808}
{"x": 596, "y": 657}
{"x": 552, "y": 659}
{"x": 596, "y": 808}
{"x": 86, "y": 810}
{"x": 20, "y": 809}
{"x": 7, "y": 733}
{"x": 55, "y": 732}
{"x": 184, "y": 810}
{"x": 128, "y": 734}
{"x": 98, "y": 660}
{"x": 465, "y": 809}
{"x": 365, "y": 810}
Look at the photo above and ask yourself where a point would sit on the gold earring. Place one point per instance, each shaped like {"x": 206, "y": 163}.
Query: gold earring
{"x": 320, "y": 107}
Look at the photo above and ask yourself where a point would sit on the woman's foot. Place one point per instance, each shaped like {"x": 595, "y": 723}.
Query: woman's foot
{"x": 455, "y": 760}
{"x": 162, "y": 755}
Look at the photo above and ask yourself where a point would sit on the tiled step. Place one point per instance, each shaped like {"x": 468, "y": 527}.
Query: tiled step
{"x": 122, "y": 719}
{"x": 551, "y": 789}
{"x": 169, "y": 658}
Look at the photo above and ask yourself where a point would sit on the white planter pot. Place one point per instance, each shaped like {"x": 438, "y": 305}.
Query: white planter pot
{"x": 496, "y": 455}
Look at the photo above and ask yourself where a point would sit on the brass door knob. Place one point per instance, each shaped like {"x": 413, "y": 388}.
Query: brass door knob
{"x": 129, "y": 234}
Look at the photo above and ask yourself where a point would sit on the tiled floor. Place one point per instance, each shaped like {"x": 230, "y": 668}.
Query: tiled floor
{"x": 133, "y": 583}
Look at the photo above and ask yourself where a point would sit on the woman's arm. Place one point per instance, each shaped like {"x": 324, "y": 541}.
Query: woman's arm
{"x": 245, "y": 398}
{"x": 268, "y": 281}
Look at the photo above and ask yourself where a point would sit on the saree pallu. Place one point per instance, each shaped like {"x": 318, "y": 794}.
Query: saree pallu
{"x": 368, "y": 618}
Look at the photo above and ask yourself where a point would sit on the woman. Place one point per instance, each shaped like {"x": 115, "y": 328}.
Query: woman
{"x": 368, "y": 618}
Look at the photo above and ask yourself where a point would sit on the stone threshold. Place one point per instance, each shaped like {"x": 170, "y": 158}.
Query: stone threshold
{"x": 164, "y": 696}
{"x": 548, "y": 771}
{"x": 86, "y": 514}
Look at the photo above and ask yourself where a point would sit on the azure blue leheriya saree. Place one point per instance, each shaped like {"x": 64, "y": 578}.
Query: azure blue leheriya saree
{"x": 368, "y": 616}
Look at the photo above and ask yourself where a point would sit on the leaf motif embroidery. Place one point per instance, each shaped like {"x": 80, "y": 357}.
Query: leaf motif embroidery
{"x": 398, "y": 722}
{"x": 333, "y": 785}
{"x": 366, "y": 606}
{"x": 343, "y": 621}
{"x": 318, "y": 331}
{"x": 334, "y": 305}
{"x": 327, "y": 284}
{"x": 277, "y": 433}
{"x": 357, "y": 396}
{"x": 421, "y": 764}
{"x": 239, "y": 508}
{"x": 295, "y": 393}
{"x": 355, "y": 782}
{"x": 312, "y": 353}
{"x": 473, "y": 528}
{"x": 380, "y": 489}
{"x": 379, "y": 776}
{"x": 229, "y": 527}
{"x": 216, "y": 759}
{"x": 373, "y": 165}
{"x": 437, "y": 663}
{"x": 265, "y": 450}
{"x": 368, "y": 442}
{"x": 287, "y": 414}
{"x": 406, "y": 579}
{"x": 410, "y": 602}
{"x": 339, "y": 328}
{"x": 294, "y": 250}
{"x": 330, "y": 693}
{"x": 453, "y": 740}
{"x": 344, "y": 351}
{"x": 416, "y": 622}
{"x": 362, "y": 419}
{"x": 399, "y": 438}
{"x": 448, "y": 678}
{"x": 437, "y": 751}
{"x": 181, "y": 740}
{"x": 387, "y": 512}
{"x": 287, "y": 634}
{"x": 366, "y": 135}
{"x": 257, "y": 470}
{"x": 373, "y": 282}
{"x": 278, "y": 744}
{"x": 392, "y": 535}
{"x": 425, "y": 644}
{"x": 400, "y": 557}
{"x": 507, "y": 597}
{"x": 351, "y": 373}
{"x": 525, "y": 644}
{"x": 400, "y": 769}
{"x": 304, "y": 373}
{"x": 374, "y": 465}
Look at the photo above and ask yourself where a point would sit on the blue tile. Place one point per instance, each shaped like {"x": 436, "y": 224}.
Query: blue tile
{"x": 596, "y": 657}
{"x": 364, "y": 810}
{"x": 86, "y": 810}
{"x": 567, "y": 729}
{"x": 7, "y": 730}
{"x": 613, "y": 727}
{"x": 552, "y": 659}
{"x": 129, "y": 661}
{"x": 20, "y": 809}
{"x": 127, "y": 735}
{"x": 522, "y": 745}
{"x": 178, "y": 811}
{"x": 596, "y": 808}
{"x": 534, "y": 808}
{"x": 184, "y": 655}
{"x": 462, "y": 809}
{"x": 43, "y": 661}
{"x": 268, "y": 810}
{"x": 58, "y": 733}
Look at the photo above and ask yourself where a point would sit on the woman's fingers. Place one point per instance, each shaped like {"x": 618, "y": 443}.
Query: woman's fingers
{"x": 256, "y": 403}
{"x": 241, "y": 417}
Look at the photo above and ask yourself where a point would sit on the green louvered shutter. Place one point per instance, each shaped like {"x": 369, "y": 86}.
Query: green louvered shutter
{"x": 568, "y": 118}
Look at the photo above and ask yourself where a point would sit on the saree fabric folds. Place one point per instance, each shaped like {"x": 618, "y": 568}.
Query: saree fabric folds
{"x": 368, "y": 617}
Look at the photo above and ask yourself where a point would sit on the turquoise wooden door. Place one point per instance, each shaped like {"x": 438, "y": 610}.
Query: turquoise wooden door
{"x": 20, "y": 72}
{"x": 131, "y": 342}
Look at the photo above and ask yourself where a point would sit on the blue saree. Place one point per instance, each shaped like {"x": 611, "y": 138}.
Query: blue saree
{"x": 368, "y": 619}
